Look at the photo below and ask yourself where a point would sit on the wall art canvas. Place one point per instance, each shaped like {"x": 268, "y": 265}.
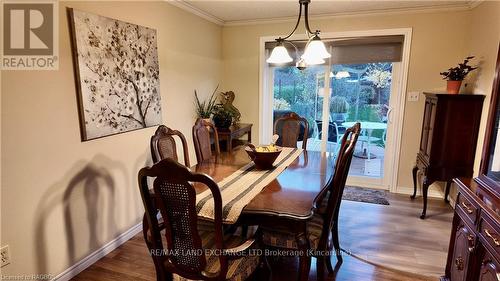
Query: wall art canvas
{"x": 117, "y": 74}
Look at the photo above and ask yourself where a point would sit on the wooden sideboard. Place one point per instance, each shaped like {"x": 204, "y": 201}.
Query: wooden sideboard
{"x": 448, "y": 140}
{"x": 474, "y": 251}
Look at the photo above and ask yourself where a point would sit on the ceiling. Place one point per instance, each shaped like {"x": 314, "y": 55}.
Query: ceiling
{"x": 227, "y": 12}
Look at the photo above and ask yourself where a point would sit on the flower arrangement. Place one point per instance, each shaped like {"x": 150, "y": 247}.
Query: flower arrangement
{"x": 459, "y": 72}
{"x": 222, "y": 118}
{"x": 206, "y": 108}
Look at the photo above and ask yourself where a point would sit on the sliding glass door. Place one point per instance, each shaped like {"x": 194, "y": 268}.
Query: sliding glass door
{"x": 300, "y": 91}
{"x": 335, "y": 95}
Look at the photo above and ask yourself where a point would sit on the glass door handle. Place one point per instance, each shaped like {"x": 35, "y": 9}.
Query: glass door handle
{"x": 389, "y": 111}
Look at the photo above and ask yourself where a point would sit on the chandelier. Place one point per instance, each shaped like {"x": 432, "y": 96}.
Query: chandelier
{"x": 314, "y": 51}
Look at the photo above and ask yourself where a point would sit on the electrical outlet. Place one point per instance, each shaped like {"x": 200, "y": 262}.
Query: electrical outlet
{"x": 413, "y": 96}
{"x": 4, "y": 253}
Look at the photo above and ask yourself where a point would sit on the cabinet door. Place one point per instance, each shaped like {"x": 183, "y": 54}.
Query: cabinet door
{"x": 428, "y": 126}
{"x": 490, "y": 269}
{"x": 465, "y": 241}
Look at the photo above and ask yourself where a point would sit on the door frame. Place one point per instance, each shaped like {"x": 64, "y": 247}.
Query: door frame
{"x": 265, "y": 108}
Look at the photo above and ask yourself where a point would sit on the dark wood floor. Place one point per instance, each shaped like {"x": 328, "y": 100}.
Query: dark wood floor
{"x": 131, "y": 261}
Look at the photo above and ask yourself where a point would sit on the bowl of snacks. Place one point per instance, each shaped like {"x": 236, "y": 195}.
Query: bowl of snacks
{"x": 264, "y": 155}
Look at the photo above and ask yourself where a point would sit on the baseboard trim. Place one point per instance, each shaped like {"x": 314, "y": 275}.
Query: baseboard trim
{"x": 98, "y": 254}
{"x": 433, "y": 192}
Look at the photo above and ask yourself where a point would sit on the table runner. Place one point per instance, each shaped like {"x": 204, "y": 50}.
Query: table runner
{"x": 242, "y": 186}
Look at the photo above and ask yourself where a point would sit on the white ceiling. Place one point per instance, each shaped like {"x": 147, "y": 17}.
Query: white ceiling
{"x": 234, "y": 11}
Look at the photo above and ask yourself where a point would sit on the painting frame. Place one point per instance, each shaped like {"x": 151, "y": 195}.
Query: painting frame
{"x": 82, "y": 92}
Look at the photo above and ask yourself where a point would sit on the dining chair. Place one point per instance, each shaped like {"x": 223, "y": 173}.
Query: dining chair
{"x": 163, "y": 145}
{"x": 322, "y": 228}
{"x": 181, "y": 247}
{"x": 202, "y": 140}
{"x": 288, "y": 128}
{"x": 335, "y": 131}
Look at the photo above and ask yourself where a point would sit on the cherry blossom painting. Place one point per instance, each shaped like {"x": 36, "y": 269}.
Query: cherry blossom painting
{"x": 117, "y": 73}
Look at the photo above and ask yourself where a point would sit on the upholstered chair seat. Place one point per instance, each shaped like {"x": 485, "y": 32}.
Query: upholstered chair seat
{"x": 286, "y": 238}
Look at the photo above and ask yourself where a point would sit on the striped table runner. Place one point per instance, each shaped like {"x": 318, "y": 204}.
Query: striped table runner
{"x": 242, "y": 186}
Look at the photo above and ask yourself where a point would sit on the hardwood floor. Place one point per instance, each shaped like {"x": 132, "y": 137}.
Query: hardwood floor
{"x": 395, "y": 236}
{"x": 385, "y": 238}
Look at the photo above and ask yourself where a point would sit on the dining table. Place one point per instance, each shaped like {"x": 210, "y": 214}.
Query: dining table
{"x": 289, "y": 200}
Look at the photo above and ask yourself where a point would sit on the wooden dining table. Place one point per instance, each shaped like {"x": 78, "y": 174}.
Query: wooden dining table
{"x": 288, "y": 201}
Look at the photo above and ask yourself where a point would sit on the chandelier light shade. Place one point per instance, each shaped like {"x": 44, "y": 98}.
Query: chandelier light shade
{"x": 315, "y": 51}
{"x": 313, "y": 60}
{"x": 279, "y": 55}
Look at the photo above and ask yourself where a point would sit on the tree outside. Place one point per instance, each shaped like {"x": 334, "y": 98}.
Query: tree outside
{"x": 366, "y": 91}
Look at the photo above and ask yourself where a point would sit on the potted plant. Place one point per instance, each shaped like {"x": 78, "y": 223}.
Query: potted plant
{"x": 456, "y": 75}
{"x": 222, "y": 118}
{"x": 339, "y": 108}
{"x": 205, "y": 109}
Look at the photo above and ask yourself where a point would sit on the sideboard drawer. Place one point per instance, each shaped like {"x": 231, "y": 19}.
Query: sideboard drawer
{"x": 490, "y": 269}
{"x": 489, "y": 234}
{"x": 467, "y": 208}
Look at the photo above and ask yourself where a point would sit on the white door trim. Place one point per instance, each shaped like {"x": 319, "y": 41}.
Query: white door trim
{"x": 265, "y": 111}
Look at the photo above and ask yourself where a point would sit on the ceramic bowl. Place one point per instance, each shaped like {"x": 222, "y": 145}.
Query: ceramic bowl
{"x": 263, "y": 159}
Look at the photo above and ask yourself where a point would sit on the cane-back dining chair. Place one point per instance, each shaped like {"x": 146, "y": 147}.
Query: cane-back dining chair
{"x": 202, "y": 140}
{"x": 163, "y": 145}
{"x": 189, "y": 250}
{"x": 288, "y": 128}
{"x": 322, "y": 228}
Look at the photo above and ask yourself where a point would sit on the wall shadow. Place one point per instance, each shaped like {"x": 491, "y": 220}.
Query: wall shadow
{"x": 86, "y": 194}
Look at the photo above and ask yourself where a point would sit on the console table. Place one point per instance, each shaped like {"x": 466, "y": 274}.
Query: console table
{"x": 234, "y": 132}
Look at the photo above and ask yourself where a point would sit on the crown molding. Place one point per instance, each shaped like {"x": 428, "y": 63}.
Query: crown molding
{"x": 436, "y": 9}
{"x": 460, "y": 6}
{"x": 184, "y": 5}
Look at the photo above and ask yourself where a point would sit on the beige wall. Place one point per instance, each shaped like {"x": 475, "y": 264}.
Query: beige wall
{"x": 483, "y": 42}
{"x": 63, "y": 198}
{"x": 439, "y": 40}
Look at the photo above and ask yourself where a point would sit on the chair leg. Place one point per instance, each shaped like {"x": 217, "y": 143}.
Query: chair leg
{"x": 320, "y": 268}
{"x": 269, "y": 268}
{"x": 328, "y": 261}
{"x": 335, "y": 238}
{"x": 304, "y": 267}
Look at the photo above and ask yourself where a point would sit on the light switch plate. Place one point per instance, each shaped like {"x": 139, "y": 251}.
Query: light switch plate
{"x": 413, "y": 96}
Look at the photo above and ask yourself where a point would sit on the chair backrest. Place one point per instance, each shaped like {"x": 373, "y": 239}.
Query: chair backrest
{"x": 288, "y": 128}
{"x": 175, "y": 197}
{"x": 202, "y": 140}
{"x": 163, "y": 145}
{"x": 337, "y": 184}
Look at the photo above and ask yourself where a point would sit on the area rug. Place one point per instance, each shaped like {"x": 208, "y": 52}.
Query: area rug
{"x": 366, "y": 195}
